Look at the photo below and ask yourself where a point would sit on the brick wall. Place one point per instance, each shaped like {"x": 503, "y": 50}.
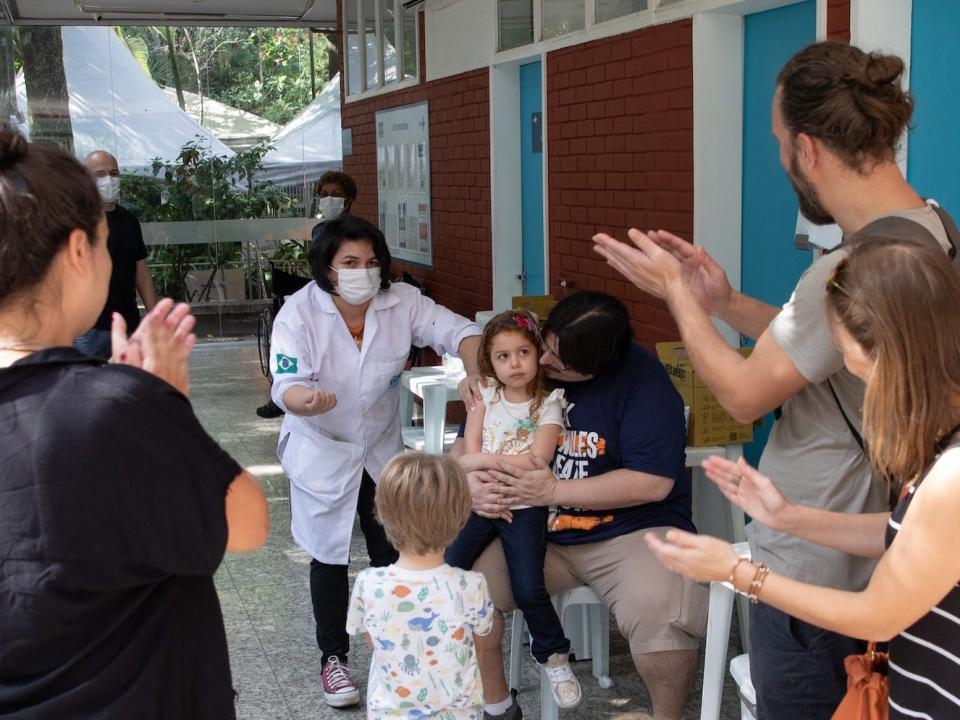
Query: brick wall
{"x": 461, "y": 277}
{"x": 620, "y": 155}
{"x": 838, "y": 20}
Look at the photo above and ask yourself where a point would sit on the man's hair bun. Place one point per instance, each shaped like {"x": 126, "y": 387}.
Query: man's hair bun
{"x": 883, "y": 69}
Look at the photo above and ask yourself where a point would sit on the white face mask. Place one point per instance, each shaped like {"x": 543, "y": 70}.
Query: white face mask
{"x": 330, "y": 206}
{"x": 358, "y": 286}
{"x": 109, "y": 186}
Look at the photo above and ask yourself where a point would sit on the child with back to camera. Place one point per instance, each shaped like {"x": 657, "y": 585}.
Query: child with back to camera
{"x": 419, "y": 614}
{"x": 520, "y": 419}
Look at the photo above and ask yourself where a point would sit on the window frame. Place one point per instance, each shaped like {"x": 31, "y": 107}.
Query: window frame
{"x": 382, "y": 87}
{"x": 640, "y": 18}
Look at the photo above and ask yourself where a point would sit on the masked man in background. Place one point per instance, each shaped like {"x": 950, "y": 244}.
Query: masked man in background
{"x": 128, "y": 254}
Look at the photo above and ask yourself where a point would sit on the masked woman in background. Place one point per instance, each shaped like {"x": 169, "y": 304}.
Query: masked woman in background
{"x": 336, "y": 193}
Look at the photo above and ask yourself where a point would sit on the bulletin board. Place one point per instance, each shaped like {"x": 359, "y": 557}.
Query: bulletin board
{"x": 403, "y": 181}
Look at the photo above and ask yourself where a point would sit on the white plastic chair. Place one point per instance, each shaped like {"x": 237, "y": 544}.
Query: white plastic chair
{"x": 718, "y": 639}
{"x": 596, "y": 615}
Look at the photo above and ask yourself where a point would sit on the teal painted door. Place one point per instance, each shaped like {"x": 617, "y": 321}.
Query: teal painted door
{"x": 770, "y": 264}
{"x": 933, "y": 160}
{"x": 531, "y": 169}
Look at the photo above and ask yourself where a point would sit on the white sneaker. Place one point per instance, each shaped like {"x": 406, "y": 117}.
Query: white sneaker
{"x": 566, "y": 688}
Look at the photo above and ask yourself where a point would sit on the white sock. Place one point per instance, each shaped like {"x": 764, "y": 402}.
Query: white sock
{"x": 499, "y": 708}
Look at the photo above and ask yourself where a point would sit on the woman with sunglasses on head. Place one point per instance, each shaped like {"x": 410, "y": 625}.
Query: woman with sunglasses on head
{"x": 895, "y": 310}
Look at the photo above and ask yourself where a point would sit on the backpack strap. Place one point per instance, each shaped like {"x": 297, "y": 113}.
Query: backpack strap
{"x": 897, "y": 227}
{"x": 950, "y": 227}
{"x": 853, "y": 430}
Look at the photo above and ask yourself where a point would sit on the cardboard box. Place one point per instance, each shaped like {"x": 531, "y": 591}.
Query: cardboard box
{"x": 539, "y": 305}
{"x": 709, "y": 423}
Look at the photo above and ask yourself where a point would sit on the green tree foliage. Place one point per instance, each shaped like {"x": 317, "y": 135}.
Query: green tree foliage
{"x": 202, "y": 186}
{"x": 265, "y": 71}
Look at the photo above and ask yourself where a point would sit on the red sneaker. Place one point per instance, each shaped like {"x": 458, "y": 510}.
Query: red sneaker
{"x": 339, "y": 690}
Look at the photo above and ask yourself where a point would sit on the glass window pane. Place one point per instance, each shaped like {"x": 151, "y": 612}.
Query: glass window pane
{"x": 187, "y": 113}
{"x": 370, "y": 42}
{"x": 389, "y": 59}
{"x": 610, "y": 9}
{"x": 353, "y": 46}
{"x": 516, "y": 23}
{"x": 8, "y": 81}
{"x": 562, "y": 16}
{"x": 410, "y": 49}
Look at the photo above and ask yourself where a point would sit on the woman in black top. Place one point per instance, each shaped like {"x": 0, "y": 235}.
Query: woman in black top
{"x": 895, "y": 307}
{"x": 115, "y": 505}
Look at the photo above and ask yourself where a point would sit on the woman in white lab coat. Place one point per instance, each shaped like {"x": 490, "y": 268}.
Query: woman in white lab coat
{"x": 338, "y": 348}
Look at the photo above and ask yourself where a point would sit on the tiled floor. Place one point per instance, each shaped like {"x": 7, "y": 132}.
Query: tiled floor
{"x": 265, "y": 594}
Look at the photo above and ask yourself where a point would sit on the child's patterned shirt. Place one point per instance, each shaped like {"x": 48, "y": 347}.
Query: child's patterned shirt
{"x": 421, "y": 623}
{"x": 508, "y": 428}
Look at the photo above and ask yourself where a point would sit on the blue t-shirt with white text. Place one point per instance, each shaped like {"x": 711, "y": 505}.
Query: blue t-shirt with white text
{"x": 631, "y": 417}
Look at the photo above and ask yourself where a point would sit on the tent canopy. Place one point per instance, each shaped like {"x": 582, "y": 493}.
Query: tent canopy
{"x": 236, "y": 128}
{"x": 115, "y": 106}
{"x": 310, "y": 143}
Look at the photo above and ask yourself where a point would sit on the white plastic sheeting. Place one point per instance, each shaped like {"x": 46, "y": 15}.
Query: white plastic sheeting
{"x": 235, "y": 128}
{"x": 310, "y": 143}
{"x": 115, "y": 106}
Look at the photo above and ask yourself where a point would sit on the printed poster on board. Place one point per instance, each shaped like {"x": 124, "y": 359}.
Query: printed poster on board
{"x": 403, "y": 180}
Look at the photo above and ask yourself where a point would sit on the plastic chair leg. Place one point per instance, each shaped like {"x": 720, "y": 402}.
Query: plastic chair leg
{"x": 548, "y": 706}
{"x": 715, "y": 655}
{"x": 600, "y": 643}
{"x": 517, "y": 628}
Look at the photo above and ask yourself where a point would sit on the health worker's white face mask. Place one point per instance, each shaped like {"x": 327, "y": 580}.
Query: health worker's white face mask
{"x": 330, "y": 206}
{"x": 358, "y": 286}
{"x": 109, "y": 186}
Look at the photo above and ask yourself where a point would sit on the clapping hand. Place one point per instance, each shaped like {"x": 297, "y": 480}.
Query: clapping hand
{"x": 161, "y": 343}
{"x": 657, "y": 259}
{"x": 705, "y": 278}
{"x": 699, "y": 557}
{"x": 642, "y": 261}
{"x": 746, "y": 488}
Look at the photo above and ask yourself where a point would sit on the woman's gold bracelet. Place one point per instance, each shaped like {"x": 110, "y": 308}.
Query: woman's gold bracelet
{"x": 757, "y": 583}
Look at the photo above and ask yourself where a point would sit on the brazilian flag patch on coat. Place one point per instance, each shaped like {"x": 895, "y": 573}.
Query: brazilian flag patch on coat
{"x": 286, "y": 364}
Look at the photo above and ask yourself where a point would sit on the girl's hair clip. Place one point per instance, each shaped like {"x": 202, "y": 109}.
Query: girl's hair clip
{"x": 524, "y": 322}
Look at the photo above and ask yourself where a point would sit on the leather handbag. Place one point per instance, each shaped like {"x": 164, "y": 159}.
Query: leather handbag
{"x": 868, "y": 687}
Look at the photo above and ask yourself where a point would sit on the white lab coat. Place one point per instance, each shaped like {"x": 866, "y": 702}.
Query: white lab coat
{"x": 324, "y": 456}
